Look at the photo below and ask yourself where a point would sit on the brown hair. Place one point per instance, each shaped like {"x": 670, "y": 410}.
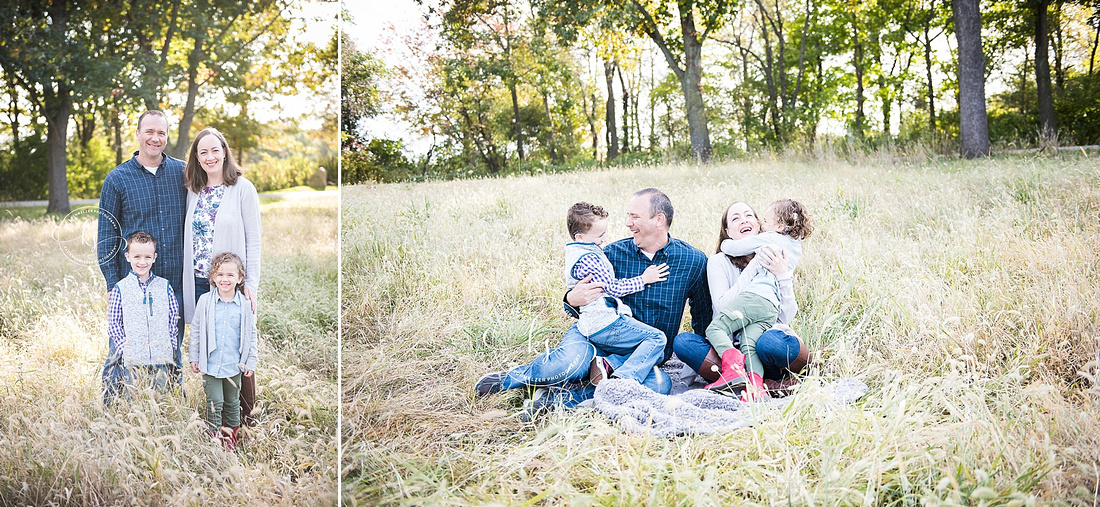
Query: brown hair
{"x": 222, "y": 258}
{"x": 581, "y": 217}
{"x": 195, "y": 177}
{"x": 793, "y": 217}
{"x": 151, "y": 112}
{"x": 141, "y": 237}
{"x": 742, "y": 260}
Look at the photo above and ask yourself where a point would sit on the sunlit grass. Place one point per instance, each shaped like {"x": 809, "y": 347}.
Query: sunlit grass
{"x": 965, "y": 294}
{"x": 59, "y": 445}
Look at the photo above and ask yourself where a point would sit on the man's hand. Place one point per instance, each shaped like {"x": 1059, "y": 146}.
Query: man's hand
{"x": 248, "y": 373}
{"x": 586, "y": 291}
{"x": 194, "y": 367}
{"x": 655, "y": 273}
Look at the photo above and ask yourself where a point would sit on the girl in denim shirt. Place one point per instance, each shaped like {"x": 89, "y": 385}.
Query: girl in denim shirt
{"x": 223, "y": 345}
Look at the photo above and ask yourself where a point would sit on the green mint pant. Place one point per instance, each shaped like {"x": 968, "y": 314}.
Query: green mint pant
{"x": 752, "y": 315}
{"x": 223, "y": 404}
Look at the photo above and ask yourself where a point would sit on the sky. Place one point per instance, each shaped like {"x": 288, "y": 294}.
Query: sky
{"x": 368, "y": 20}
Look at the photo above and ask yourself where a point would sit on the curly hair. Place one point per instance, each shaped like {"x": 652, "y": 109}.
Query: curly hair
{"x": 794, "y": 218}
{"x": 581, "y": 216}
{"x": 222, "y": 258}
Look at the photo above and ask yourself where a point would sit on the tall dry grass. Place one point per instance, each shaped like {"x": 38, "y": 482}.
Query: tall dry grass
{"x": 60, "y": 446}
{"x": 965, "y": 294}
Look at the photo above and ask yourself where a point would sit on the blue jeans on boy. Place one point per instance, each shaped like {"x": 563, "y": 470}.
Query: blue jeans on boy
{"x": 641, "y": 346}
{"x": 776, "y": 350}
{"x": 567, "y": 365}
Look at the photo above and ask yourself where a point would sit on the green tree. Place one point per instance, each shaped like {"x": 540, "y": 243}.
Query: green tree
{"x": 59, "y": 53}
{"x": 675, "y": 32}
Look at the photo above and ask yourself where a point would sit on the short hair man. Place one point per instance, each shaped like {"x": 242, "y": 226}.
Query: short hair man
{"x": 145, "y": 193}
{"x": 649, "y": 215}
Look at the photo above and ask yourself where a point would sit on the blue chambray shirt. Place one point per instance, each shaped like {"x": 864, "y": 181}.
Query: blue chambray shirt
{"x": 134, "y": 200}
{"x": 661, "y": 304}
{"x": 223, "y": 361}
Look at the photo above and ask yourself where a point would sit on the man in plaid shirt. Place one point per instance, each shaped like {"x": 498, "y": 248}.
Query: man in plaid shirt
{"x": 661, "y": 305}
{"x": 144, "y": 193}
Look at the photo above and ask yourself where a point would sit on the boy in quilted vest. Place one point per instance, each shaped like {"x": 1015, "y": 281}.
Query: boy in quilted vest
{"x": 607, "y": 322}
{"x": 142, "y": 314}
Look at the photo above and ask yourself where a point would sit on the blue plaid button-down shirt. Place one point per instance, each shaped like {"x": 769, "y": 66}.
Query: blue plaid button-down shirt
{"x": 661, "y": 304}
{"x": 132, "y": 200}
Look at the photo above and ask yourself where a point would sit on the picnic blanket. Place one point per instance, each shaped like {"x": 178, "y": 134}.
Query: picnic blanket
{"x": 691, "y": 410}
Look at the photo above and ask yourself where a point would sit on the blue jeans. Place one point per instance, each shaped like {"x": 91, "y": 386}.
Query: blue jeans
{"x": 568, "y": 364}
{"x": 202, "y": 286}
{"x": 641, "y": 346}
{"x": 776, "y": 350}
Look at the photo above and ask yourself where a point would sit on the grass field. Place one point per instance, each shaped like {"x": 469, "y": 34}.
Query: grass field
{"x": 965, "y": 294}
{"x": 60, "y": 446}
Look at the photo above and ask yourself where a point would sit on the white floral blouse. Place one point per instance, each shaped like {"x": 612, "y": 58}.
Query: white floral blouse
{"x": 206, "y": 211}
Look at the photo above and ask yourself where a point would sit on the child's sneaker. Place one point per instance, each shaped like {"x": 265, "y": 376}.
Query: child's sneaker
{"x": 599, "y": 370}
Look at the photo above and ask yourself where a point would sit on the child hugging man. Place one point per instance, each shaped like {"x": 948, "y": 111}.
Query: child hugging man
{"x": 141, "y": 317}
{"x": 608, "y": 323}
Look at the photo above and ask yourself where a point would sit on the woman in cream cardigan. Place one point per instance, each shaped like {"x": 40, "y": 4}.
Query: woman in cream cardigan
{"x": 223, "y": 215}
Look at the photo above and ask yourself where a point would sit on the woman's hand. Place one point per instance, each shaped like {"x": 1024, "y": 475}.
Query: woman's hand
{"x": 248, "y": 373}
{"x": 586, "y": 291}
{"x": 251, "y": 295}
{"x": 773, "y": 259}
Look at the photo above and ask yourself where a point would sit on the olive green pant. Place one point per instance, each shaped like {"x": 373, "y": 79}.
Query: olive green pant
{"x": 752, "y": 315}
{"x": 223, "y": 404}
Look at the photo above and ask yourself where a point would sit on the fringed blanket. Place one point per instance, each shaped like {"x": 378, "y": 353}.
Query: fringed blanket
{"x": 691, "y": 410}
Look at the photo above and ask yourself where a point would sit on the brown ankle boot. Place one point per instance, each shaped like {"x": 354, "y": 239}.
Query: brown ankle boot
{"x": 733, "y": 375}
{"x": 711, "y": 367}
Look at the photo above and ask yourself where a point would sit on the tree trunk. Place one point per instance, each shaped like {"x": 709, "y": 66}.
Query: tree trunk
{"x": 610, "y": 129}
{"x": 57, "y": 109}
{"x": 517, "y": 134}
{"x": 857, "y": 62}
{"x": 973, "y": 120}
{"x": 1047, "y": 127}
{"x": 13, "y": 111}
{"x": 591, "y": 117}
{"x": 550, "y": 129}
{"x": 1095, "y": 43}
{"x": 116, "y": 127}
{"x": 931, "y": 91}
{"x": 626, "y": 111}
{"x": 1056, "y": 39}
{"x": 183, "y": 139}
{"x": 690, "y": 76}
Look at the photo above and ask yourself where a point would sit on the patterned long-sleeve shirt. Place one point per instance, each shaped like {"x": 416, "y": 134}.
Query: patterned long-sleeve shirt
{"x": 661, "y": 305}
{"x": 133, "y": 199}
{"x": 590, "y": 264}
{"x": 116, "y": 330}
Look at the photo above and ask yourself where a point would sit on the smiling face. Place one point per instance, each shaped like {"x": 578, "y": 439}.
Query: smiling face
{"x": 741, "y": 221}
{"x": 211, "y": 156}
{"x": 649, "y": 229}
{"x": 770, "y": 223}
{"x": 152, "y": 137}
{"x": 226, "y": 278}
{"x": 141, "y": 257}
{"x": 596, "y": 234}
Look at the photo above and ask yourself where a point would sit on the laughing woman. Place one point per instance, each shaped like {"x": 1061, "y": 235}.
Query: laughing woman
{"x": 223, "y": 215}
